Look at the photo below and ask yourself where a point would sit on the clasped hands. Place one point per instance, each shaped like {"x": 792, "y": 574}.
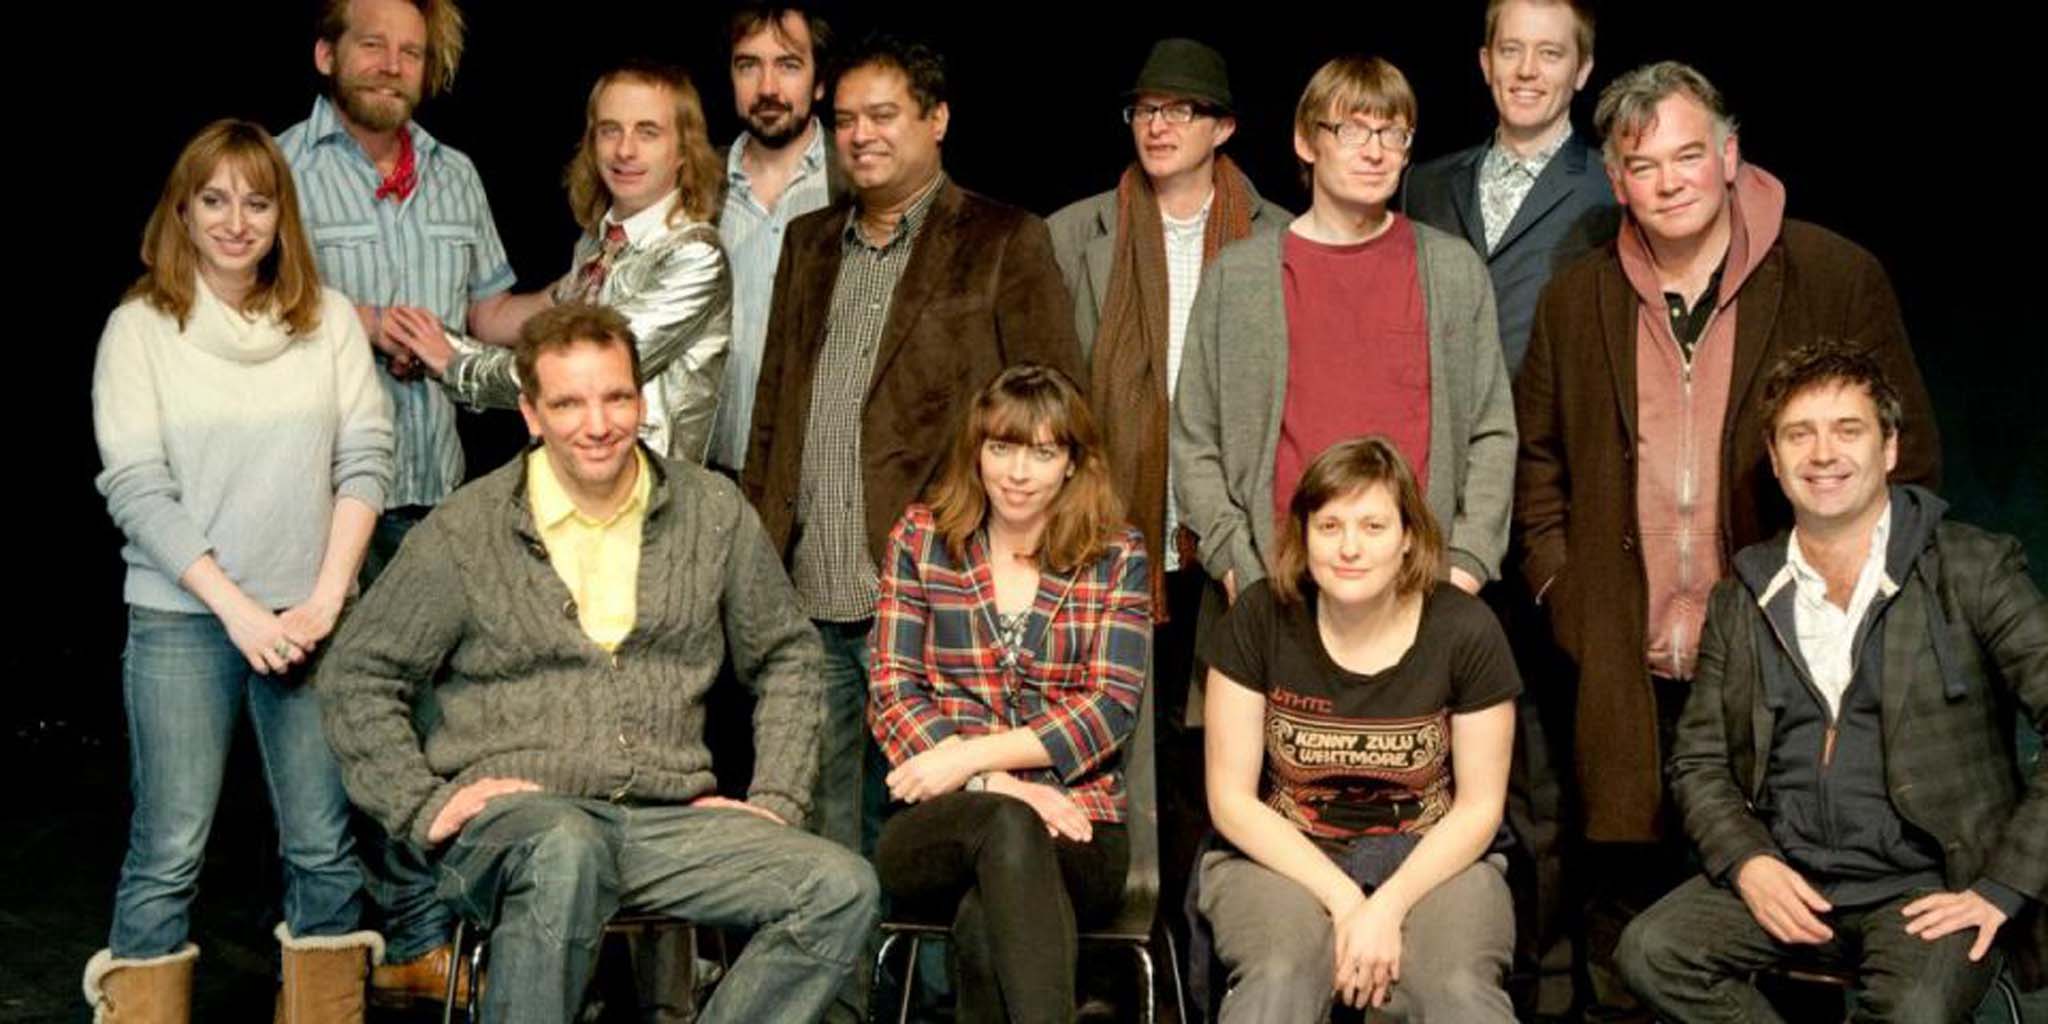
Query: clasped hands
{"x": 947, "y": 767}
{"x": 1367, "y": 930}
{"x": 411, "y": 339}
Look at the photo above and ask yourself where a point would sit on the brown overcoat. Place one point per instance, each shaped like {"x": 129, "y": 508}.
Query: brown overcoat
{"x": 1575, "y": 477}
{"x": 981, "y": 292}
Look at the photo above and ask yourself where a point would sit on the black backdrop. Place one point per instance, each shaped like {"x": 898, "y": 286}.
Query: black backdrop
{"x": 1896, "y": 131}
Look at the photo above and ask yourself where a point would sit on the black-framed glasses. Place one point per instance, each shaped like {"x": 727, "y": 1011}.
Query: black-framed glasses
{"x": 1351, "y": 135}
{"x": 1172, "y": 113}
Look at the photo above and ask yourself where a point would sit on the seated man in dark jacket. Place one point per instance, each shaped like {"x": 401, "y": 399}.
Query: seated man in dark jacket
{"x": 1846, "y": 760}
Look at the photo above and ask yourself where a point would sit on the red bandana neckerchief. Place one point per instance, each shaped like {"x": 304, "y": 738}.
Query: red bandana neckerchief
{"x": 398, "y": 185}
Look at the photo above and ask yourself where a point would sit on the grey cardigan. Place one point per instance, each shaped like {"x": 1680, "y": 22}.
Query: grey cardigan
{"x": 1084, "y": 245}
{"x": 1233, "y": 387}
{"x": 473, "y": 608}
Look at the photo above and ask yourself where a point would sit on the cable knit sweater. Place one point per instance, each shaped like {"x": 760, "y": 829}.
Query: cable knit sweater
{"x": 472, "y": 607}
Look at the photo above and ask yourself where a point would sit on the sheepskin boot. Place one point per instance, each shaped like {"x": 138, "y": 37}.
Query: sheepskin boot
{"x": 324, "y": 976}
{"x": 156, "y": 990}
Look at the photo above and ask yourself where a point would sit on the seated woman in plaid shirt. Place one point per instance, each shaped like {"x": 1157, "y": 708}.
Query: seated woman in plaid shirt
{"x": 1008, "y": 658}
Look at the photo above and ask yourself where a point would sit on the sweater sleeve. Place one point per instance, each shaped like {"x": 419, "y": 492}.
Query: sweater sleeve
{"x": 390, "y": 646}
{"x": 776, "y": 652}
{"x": 143, "y": 497}
{"x": 1479, "y": 530}
{"x": 1200, "y": 483}
{"x": 362, "y": 436}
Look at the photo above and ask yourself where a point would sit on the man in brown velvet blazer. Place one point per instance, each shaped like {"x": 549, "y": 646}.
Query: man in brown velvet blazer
{"x": 1639, "y": 474}
{"x": 890, "y": 310}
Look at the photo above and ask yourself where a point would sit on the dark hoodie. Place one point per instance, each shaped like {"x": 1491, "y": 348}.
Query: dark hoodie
{"x": 1825, "y": 797}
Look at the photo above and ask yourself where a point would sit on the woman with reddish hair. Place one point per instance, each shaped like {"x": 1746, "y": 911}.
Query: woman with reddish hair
{"x": 246, "y": 448}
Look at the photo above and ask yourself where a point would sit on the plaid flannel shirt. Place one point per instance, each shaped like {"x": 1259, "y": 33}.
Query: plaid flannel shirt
{"x": 937, "y": 662}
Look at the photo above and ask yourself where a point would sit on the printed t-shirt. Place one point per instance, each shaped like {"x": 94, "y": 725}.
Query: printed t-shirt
{"x": 1351, "y": 754}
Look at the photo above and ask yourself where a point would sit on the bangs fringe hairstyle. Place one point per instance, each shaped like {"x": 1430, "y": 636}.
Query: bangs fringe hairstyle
{"x": 1084, "y": 516}
{"x": 444, "y": 38}
{"x": 1342, "y": 470}
{"x": 287, "y": 282}
{"x": 1349, "y": 85}
{"x": 701, "y": 177}
{"x": 1824, "y": 363}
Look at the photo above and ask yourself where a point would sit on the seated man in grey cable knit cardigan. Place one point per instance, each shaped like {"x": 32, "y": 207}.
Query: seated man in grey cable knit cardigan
{"x": 570, "y": 611}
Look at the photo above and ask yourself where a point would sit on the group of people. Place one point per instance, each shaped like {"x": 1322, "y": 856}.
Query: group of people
{"x": 1556, "y": 504}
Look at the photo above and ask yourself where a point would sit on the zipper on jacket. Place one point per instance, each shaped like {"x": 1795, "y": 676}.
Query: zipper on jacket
{"x": 1688, "y": 484}
{"x": 1827, "y": 742}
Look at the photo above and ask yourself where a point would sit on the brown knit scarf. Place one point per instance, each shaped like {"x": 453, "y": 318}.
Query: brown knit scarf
{"x": 1127, "y": 371}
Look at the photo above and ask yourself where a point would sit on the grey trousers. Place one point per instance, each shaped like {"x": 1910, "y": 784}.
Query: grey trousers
{"x": 1691, "y": 956}
{"x": 1276, "y": 942}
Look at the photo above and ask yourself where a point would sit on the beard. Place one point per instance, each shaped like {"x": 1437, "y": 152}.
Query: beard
{"x": 361, "y": 100}
{"x": 761, "y": 124}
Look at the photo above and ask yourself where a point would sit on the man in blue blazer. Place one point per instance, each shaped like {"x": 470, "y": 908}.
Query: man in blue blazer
{"x": 1530, "y": 199}
{"x": 1533, "y": 197}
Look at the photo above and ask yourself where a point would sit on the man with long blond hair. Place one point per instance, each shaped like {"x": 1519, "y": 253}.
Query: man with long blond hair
{"x": 644, "y": 186}
{"x": 400, "y": 224}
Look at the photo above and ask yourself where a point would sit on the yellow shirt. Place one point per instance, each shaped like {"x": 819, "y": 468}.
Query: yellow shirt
{"x": 599, "y": 560}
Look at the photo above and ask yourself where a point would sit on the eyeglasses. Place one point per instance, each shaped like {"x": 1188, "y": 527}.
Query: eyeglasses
{"x": 1171, "y": 113}
{"x": 1352, "y": 135}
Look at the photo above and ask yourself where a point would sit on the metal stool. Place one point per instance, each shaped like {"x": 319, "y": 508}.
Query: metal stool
{"x": 476, "y": 938}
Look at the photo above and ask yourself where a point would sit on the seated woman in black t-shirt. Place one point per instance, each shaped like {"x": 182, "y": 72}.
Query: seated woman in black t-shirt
{"x": 1360, "y": 718}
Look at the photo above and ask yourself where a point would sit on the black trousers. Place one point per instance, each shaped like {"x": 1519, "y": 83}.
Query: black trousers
{"x": 1691, "y": 956}
{"x": 1015, "y": 896}
{"x": 1625, "y": 879}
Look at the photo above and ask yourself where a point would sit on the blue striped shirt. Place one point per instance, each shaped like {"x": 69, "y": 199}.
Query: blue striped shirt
{"x": 753, "y": 246}
{"x": 437, "y": 249}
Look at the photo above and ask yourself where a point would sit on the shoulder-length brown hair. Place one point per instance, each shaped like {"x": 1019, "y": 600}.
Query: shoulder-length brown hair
{"x": 1342, "y": 470}
{"x": 1086, "y": 513}
{"x": 701, "y": 175}
{"x": 287, "y": 282}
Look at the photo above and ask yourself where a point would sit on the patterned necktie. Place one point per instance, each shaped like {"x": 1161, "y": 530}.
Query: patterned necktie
{"x": 590, "y": 279}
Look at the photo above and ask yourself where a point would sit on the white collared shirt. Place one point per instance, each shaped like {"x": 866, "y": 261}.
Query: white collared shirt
{"x": 1183, "y": 276}
{"x": 1826, "y": 633}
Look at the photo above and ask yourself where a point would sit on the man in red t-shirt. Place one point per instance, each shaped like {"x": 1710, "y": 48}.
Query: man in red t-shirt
{"x": 1354, "y": 321}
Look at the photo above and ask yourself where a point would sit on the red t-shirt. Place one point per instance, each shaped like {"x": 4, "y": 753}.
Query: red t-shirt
{"x": 1357, "y": 352}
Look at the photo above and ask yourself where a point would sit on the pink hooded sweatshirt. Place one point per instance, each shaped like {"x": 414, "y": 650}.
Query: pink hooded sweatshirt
{"x": 1681, "y": 428}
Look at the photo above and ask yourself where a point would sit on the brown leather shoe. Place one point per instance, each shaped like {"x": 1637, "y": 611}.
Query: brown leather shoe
{"x": 424, "y": 980}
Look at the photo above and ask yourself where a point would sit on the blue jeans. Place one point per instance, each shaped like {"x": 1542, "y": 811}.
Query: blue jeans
{"x": 546, "y": 872}
{"x": 398, "y": 878}
{"x": 847, "y": 802}
{"x": 184, "y": 683}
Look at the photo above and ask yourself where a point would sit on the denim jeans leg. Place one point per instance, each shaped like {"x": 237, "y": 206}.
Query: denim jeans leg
{"x": 398, "y": 878}
{"x": 542, "y": 872}
{"x": 838, "y": 800}
{"x": 811, "y": 904}
{"x": 181, "y": 681}
{"x": 323, "y": 882}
